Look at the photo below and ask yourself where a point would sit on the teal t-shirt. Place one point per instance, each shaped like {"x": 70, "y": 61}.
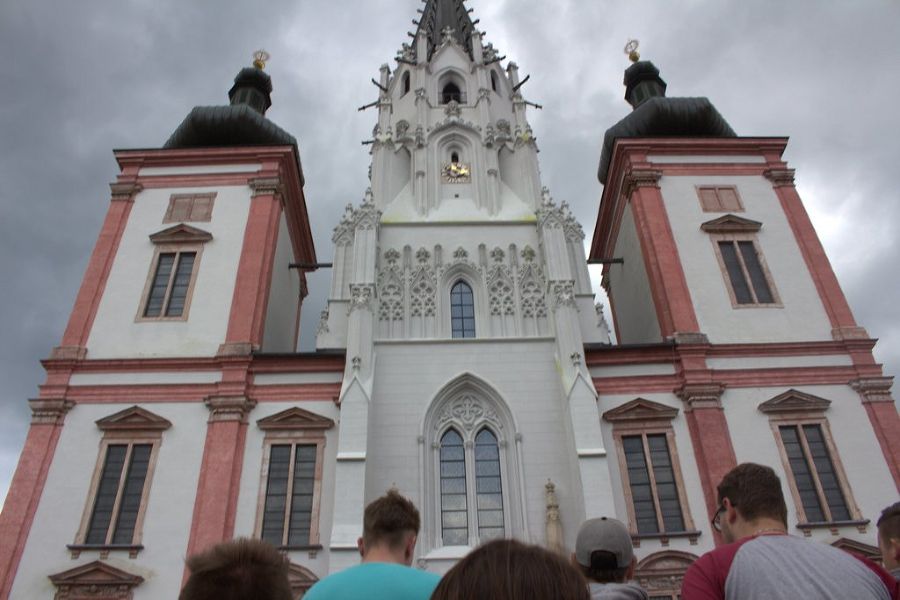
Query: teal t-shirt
{"x": 375, "y": 581}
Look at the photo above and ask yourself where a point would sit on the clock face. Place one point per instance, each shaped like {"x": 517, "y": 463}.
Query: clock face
{"x": 456, "y": 172}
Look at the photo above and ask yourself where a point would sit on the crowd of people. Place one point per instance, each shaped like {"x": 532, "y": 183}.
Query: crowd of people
{"x": 759, "y": 560}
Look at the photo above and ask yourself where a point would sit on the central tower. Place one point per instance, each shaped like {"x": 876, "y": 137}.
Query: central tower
{"x": 462, "y": 298}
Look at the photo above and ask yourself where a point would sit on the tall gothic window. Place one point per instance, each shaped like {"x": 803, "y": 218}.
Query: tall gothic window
{"x": 462, "y": 310}
{"x": 462, "y": 512}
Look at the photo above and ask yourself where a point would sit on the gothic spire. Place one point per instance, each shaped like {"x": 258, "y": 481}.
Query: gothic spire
{"x": 441, "y": 17}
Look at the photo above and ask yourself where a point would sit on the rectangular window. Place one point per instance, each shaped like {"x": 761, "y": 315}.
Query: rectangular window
{"x": 719, "y": 198}
{"x": 652, "y": 481}
{"x": 170, "y": 286}
{"x": 119, "y": 494}
{"x": 189, "y": 207}
{"x": 814, "y": 475}
{"x": 290, "y": 494}
{"x": 749, "y": 281}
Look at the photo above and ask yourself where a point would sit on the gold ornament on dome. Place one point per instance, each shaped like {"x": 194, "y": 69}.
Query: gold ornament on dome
{"x": 631, "y": 49}
{"x": 259, "y": 59}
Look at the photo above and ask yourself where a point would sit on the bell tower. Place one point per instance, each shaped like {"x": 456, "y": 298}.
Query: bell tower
{"x": 457, "y": 269}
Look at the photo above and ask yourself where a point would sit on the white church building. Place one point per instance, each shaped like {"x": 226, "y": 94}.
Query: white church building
{"x": 461, "y": 357}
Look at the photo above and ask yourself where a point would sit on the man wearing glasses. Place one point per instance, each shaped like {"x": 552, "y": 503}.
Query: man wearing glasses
{"x": 761, "y": 561}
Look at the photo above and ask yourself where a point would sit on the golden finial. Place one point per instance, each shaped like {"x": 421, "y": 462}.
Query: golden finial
{"x": 259, "y": 59}
{"x": 631, "y": 50}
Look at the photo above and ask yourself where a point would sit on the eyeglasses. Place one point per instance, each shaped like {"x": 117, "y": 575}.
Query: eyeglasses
{"x": 717, "y": 518}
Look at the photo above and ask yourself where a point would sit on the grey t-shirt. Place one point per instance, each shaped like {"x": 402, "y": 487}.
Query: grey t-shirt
{"x": 617, "y": 591}
{"x": 771, "y": 565}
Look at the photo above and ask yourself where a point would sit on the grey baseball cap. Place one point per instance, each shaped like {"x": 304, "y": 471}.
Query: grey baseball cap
{"x": 606, "y": 534}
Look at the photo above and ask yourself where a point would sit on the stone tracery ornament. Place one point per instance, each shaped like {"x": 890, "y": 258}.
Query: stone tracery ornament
{"x": 460, "y": 254}
{"x": 361, "y": 296}
{"x": 563, "y": 293}
{"x": 323, "y": 323}
{"x": 390, "y": 288}
{"x": 423, "y": 287}
{"x": 468, "y": 411}
{"x": 500, "y": 288}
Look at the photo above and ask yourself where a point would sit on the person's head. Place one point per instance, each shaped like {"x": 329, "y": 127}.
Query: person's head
{"x": 509, "y": 570}
{"x": 235, "y": 570}
{"x": 889, "y": 536}
{"x": 603, "y": 551}
{"x": 749, "y": 495}
{"x": 390, "y": 528}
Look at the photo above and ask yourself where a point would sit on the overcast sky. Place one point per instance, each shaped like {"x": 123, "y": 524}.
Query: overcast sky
{"x": 81, "y": 78}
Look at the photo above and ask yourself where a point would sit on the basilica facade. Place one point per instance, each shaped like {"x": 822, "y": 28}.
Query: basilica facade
{"x": 462, "y": 357}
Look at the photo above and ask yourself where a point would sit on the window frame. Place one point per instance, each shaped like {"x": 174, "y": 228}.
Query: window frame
{"x": 721, "y": 208}
{"x": 131, "y": 427}
{"x": 641, "y": 417}
{"x": 294, "y": 427}
{"x": 204, "y": 217}
{"x": 468, "y": 433}
{"x": 795, "y": 408}
{"x": 474, "y": 318}
{"x": 734, "y": 238}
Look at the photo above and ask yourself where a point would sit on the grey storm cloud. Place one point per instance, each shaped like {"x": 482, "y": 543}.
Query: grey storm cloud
{"x": 82, "y": 78}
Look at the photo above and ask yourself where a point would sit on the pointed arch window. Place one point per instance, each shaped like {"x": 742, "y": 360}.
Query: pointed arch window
{"x": 405, "y": 83}
{"x": 450, "y": 93}
{"x": 462, "y": 310}
{"x": 494, "y": 81}
{"x": 460, "y": 467}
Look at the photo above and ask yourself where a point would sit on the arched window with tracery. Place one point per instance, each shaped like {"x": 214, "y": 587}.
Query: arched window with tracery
{"x": 462, "y": 310}
{"x": 471, "y": 488}
{"x": 471, "y": 459}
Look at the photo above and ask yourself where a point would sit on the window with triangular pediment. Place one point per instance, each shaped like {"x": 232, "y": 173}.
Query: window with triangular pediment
{"x": 114, "y": 512}
{"x": 651, "y": 475}
{"x": 291, "y": 478}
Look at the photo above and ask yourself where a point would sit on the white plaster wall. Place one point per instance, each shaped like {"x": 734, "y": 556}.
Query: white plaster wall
{"x": 167, "y": 522}
{"x": 803, "y": 316}
{"x": 689, "y": 471}
{"x": 284, "y": 294}
{"x": 146, "y": 378}
{"x": 635, "y": 315}
{"x": 252, "y": 479}
{"x": 117, "y": 334}
{"x": 867, "y": 472}
{"x": 780, "y": 362}
{"x": 633, "y": 370}
{"x": 409, "y": 376}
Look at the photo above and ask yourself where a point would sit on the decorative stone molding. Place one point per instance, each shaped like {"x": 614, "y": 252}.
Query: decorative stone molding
{"x": 49, "y": 412}
{"x": 266, "y": 186}
{"x": 68, "y": 353}
{"x": 701, "y": 395}
{"x": 452, "y": 109}
{"x": 554, "y": 532}
{"x": 294, "y": 419}
{"x": 322, "y": 328}
{"x": 95, "y": 580}
{"x": 793, "y": 402}
{"x": 840, "y": 334}
{"x": 731, "y": 224}
{"x": 362, "y": 296}
{"x": 662, "y": 573}
{"x": 124, "y": 192}
{"x": 874, "y": 389}
{"x": 639, "y": 178}
{"x": 134, "y": 418}
{"x": 367, "y": 216}
{"x": 682, "y": 338}
{"x": 391, "y": 287}
{"x": 468, "y": 411}
{"x": 563, "y": 293}
{"x": 181, "y": 234}
{"x": 234, "y": 349}
{"x": 780, "y": 177}
{"x": 640, "y": 411}
{"x": 229, "y": 408}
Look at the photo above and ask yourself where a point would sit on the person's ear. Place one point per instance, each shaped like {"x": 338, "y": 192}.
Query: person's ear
{"x": 361, "y": 546}
{"x": 410, "y": 549}
{"x": 894, "y": 544}
{"x": 731, "y": 514}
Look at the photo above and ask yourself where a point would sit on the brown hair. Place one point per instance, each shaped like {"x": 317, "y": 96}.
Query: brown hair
{"x": 509, "y": 570}
{"x": 889, "y": 523}
{"x": 389, "y": 520}
{"x": 238, "y": 569}
{"x": 755, "y": 491}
